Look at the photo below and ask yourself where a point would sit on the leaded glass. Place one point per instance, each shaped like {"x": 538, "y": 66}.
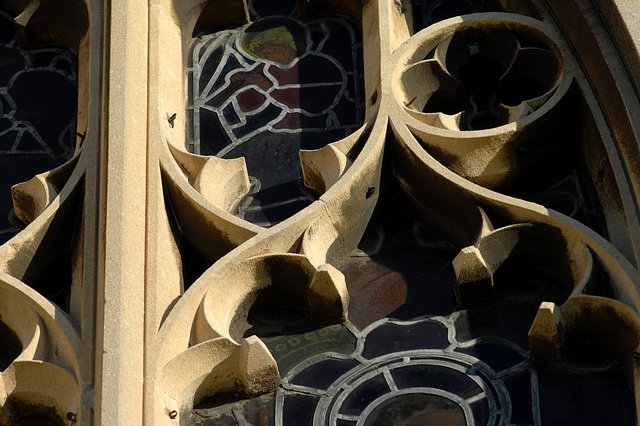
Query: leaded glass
{"x": 441, "y": 323}
{"x": 38, "y": 103}
{"x": 267, "y": 90}
{"x": 439, "y": 363}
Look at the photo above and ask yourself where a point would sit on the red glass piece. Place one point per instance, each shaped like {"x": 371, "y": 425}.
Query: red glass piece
{"x": 287, "y": 75}
{"x": 250, "y": 99}
{"x": 290, "y": 97}
{"x": 290, "y": 121}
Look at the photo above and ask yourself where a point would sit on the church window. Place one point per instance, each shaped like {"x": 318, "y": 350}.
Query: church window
{"x": 264, "y": 91}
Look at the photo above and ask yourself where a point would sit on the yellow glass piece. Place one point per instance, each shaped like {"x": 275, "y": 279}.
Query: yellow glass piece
{"x": 275, "y": 44}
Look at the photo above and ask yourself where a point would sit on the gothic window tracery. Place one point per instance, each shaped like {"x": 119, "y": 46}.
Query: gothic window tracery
{"x": 41, "y": 198}
{"x": 38, "y": 122}
{"x": 265, "y": 91}
{"x": 445, "y": 234}
{"x": 482, "y": 114}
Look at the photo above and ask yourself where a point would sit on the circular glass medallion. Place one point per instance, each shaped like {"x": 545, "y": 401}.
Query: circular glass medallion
{"x": 416, "y": 409}
{"x": 420, "y": 374}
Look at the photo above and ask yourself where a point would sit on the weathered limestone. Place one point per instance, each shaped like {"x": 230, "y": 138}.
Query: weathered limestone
{"x": 143, "y": 340}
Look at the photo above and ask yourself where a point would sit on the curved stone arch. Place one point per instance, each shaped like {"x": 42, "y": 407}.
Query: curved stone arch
{"x": 326, "y": 232}
{"x": 54, "y": 374}
{"x": 208, "y": 188}
{"x": 58, "y": 192}
{"x": 321, "y": 167}
{"x": 45, "y": 378}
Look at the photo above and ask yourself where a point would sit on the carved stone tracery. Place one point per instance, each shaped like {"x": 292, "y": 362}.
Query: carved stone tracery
{"x": 475, "y": 218}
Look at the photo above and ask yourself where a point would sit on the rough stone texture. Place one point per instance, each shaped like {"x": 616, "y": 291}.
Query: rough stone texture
{"x": 135, "y": 215}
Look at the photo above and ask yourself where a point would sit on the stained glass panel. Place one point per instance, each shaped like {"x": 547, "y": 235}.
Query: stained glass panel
{"x": 38, "y": 104}
{"x": 407, "y": 352}
{"x": 438, "y": 363}
{"x": 265, "y": 91}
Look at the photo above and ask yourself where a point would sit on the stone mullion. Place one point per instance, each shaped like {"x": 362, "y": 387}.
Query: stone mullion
{"x": 90, "y": 63}
{"x": 121, "y": 235}
{"x": 163, "y": 267}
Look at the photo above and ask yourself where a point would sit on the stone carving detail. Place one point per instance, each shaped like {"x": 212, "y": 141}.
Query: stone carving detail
{"x": 265, "y": 91}
{"x": 502, "y": 79}
{"x": 41, "y": 375}
{"x": 41, "y": 380}
{"x": 466, "y": 209}
{"x": 485, "y": 77}
{"x": 460, "y": 112}
{"x": 38, "y": 98}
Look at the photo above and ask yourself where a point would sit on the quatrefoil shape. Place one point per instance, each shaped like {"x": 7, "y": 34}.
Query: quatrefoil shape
{"x": 482, "y": 77}
{"x": 489, "y": 97}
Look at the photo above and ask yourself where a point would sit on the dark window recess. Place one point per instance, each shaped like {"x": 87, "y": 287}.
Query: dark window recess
{"x": 299, "y": 410}
{"x": 27, "y": 414}
{"x": 418, "y": 409}
{"x": 363, "y": 395}
{"x": 597, "y": 398}
{"x": 519, "y": 388}
{"x": 10, "y": 346}
{"x": 405, "y": 275}
{"x": 269, "y": 89}
{"x": 428, "y": 12}
{"x": 50, "y": 270}
{"x": 324, "y": 373}
{"x": 437, "y": 377}
{"x": 496, "y": 356}
{"x": 38, "y": 108}
{"x": 391, "y": 338}
{"x": 194, "y": 263}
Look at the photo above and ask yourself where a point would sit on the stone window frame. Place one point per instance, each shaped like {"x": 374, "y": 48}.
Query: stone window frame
{"x": 328, "y": 228}
{"x": 136, "y": 347}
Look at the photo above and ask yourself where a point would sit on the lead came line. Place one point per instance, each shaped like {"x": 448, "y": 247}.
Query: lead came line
{"x": 390, "y": 381}
{"x": 475, "y": 398}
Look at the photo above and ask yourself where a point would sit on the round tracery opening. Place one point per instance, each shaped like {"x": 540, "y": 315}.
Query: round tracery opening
{"x": 482, "y": 76}
{"x": 415, "y": 410}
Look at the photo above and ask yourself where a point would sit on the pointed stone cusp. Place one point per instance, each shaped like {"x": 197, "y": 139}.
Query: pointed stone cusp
{"x": 474, "y": 281}
{"x": 328, "y": 297}
{"x": 224, "y": 182}
{"x": 30, "y": 198}
{"x": 322, "y": 168}
{"x": 258, "y": 371}
{"x": 547, "y": 333}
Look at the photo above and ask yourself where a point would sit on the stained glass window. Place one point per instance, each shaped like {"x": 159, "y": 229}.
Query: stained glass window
{"x": 407, "y": 353}
{"x": 38, "y": 104}
{"x": 269, "y": 89}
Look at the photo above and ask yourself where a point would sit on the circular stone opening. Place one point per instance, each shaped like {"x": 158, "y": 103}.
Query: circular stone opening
{"x": 482, "y": 75}
{"x": 417, "y": 409}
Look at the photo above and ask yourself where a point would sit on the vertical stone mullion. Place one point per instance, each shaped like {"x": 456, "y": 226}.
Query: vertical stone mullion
{"x": 163, "y": 267}
{"x": 122, "y": 194}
